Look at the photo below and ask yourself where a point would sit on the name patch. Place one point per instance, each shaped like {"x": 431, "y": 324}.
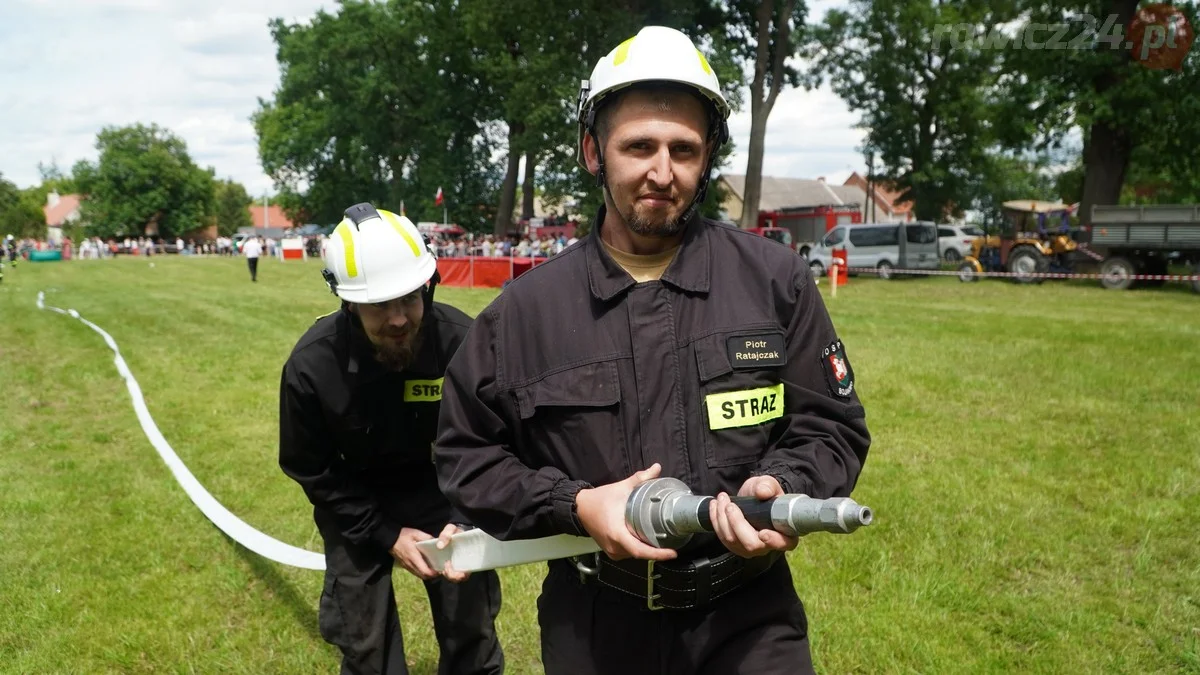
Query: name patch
{"x": 423, "y": 390}
{"x": 838, "y": 372}
{"x": 744, "y": 408}
{"x": 756, "y": 351}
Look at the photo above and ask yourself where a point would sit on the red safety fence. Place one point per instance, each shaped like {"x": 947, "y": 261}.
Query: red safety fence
{"x": 483, "y": 272}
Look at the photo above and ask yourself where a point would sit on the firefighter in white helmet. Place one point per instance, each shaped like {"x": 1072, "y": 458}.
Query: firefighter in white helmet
{"x": 359, "y": 402}
{"x": 661, "y": 344}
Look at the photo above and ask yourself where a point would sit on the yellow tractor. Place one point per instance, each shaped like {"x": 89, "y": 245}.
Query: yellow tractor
{"x": 1035, "y": 239}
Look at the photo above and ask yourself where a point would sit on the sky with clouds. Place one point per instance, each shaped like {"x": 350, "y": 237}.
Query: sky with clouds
{"x": 198, "y": 67}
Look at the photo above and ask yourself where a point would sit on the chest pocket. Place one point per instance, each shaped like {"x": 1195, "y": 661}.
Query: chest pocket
{"x": 572, "y": 419}
{"x": 738, "y": 406}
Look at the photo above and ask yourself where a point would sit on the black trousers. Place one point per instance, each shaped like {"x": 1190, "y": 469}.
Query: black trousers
{"x": 358, "y": 613}
{"x": 253, "y": 263}
{"x": 590, "y": 629}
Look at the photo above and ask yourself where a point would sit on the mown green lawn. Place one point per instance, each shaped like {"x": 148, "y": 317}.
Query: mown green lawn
{"x": 1035, "y": 476}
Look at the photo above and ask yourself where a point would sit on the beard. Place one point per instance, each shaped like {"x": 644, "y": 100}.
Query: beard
{"x": 398, "y": 356}
{"x": 647, "y": 227}
{"x": 660, "y": 224}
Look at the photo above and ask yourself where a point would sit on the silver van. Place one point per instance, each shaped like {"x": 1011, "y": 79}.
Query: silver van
{"x": 886, "y": 247}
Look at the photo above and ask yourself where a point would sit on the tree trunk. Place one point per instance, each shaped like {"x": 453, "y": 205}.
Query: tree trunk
{"x": 1105, "y": 160}
{"x": 1108, "y": 146}
{"x": 752, "y": 193}
{"x": 761, "y": 102}
{"x": 527, "y": 186}
{"x": 508, "y": 190}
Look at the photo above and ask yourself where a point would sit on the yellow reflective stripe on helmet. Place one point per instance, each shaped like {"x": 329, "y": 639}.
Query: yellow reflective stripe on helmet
{"x": 395, "y": 223}
{"x": 704, "y": 62}
{"x": 343, "y": 231}
{"x": 622, "y": 51}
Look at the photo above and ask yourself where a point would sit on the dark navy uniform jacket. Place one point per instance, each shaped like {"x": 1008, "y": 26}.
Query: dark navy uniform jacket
{"x": 576, "y": 376}
{"x": 358, "y": 437}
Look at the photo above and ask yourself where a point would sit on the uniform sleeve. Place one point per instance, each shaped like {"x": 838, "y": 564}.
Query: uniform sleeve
{"x": 477, "y": 468}
{"x": 308, "y": 454}
{"x": 820, "y": 444}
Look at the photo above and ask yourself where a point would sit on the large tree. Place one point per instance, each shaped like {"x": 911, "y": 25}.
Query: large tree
{"x": 763, "y": 34}
{"x": 378, "y": 102}
{"x": 1122, "y": 106}
{"x": 144, "y": 182}
{"x": 926, "y": 101}
{"x": 232, "y": 207}
{"x": 20, "y": 212}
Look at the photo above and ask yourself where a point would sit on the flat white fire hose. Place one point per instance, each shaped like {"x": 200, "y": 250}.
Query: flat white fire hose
{"x": 476, "y": 550}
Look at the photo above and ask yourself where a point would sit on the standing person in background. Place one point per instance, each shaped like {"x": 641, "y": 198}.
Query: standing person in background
{"x": 252, "y": 249}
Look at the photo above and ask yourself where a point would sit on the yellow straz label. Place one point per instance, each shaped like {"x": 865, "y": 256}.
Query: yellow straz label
{"x": 423, "y": 390}
{"x": 743, "y": 408}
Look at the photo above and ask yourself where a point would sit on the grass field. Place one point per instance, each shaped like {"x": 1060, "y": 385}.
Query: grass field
{"x": 1035, "y": 474}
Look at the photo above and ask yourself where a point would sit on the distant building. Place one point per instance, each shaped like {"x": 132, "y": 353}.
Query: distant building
{"x": 60, "y": 210}
{"x": 888, "y": 207}
{"x": 271, "y": 216}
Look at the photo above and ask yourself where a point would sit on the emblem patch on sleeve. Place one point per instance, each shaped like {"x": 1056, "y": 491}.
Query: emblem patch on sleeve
{"x": 756, "y": 351}
{"x": 838, "y": 372}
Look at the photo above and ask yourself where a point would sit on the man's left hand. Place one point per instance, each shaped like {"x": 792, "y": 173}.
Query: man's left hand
{"x": 740, "y": 536}
{"x": 448, "y": 570}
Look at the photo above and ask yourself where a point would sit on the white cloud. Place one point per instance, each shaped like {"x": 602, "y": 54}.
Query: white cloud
{"x": 198, "y": 68}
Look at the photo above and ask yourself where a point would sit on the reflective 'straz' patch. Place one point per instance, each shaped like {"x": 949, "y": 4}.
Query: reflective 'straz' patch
{"x": 744, "y": 408}
{"x": 756, "y": 351}
{"x": 838, "y": 372}
{"x": 423, "y": 390}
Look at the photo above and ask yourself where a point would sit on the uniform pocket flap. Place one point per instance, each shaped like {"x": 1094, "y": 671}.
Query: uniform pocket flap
{"x": 591, "y": 385}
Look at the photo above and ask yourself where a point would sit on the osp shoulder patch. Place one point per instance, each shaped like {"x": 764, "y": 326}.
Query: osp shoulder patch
{"x": 756, "y": 351}
{"x": 423, "y": 390}
{"x": 744, "y": 408}
{"x": 838, "y": 372}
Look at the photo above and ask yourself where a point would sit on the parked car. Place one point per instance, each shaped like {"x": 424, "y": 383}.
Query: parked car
{"x": 879, "y": 245}
{"x": 955, "y": 240}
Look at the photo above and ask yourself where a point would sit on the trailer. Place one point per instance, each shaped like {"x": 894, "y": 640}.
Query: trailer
{"x": 1144, "y": 240}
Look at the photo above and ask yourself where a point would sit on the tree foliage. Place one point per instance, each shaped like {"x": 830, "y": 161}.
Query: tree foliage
{"x": 232, "y": 207}
{"x": 1125, "y": 111}
{"x": 21, "y": 214}
{"x": 144, "y": 182}
{"x": 386, "y": 102}
{"x": 926, "y": 102}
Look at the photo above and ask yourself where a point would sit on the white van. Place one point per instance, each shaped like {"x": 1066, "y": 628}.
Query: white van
{"x": 880, "y": 246}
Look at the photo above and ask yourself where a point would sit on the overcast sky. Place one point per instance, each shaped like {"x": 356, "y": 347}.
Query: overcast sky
{"x": 198, "y": 67}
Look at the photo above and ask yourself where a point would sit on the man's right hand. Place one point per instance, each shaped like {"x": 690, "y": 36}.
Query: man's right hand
{"x": 602, "y": 512}
{"x": 406, "y": 553}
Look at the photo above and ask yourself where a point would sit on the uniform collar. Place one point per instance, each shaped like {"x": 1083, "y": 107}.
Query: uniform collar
{"x": 360, "y": 355}
{"x": 689, "y": 271}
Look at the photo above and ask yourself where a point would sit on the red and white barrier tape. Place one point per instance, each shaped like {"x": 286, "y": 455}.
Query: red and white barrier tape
{"x": 1029, "y": 275}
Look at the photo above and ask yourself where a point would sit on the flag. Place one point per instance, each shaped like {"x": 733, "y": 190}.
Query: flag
{"x": 439, "y": 200}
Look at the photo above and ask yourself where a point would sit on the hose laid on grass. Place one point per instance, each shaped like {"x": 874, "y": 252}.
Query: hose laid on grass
{"x": 220, "y": 516}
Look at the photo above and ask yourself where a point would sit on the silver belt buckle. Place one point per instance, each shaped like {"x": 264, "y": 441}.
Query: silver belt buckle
{"x": 651, "y": 596}
{"x": 584, "y": 570}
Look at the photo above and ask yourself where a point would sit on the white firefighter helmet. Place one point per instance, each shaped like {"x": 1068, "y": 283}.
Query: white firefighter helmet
{"x": 375, "y": 256}
{"x": 655, "y": 54}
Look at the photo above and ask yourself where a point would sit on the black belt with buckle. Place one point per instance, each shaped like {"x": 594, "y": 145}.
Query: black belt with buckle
{"x": 679, "y": 585}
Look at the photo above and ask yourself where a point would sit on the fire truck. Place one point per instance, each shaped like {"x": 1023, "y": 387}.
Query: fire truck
{"x": 799, "y": 227}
